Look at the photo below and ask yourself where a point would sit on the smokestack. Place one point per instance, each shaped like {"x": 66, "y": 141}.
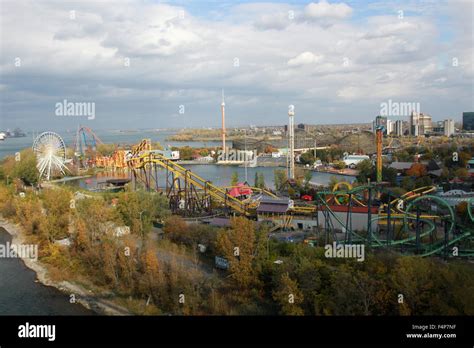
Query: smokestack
{"x": 223, "y": 125}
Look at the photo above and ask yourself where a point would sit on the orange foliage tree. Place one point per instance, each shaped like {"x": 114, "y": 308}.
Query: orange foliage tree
{"x": 417, "y": 169}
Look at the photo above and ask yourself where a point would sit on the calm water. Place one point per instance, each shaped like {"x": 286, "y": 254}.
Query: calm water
{"x": 217, "y": 174}
{"x": 20, "y": 295}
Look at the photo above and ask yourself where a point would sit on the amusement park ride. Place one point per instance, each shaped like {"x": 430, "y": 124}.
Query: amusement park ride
{"x": 416, "y": 222}
{"x": 85, "y": 146}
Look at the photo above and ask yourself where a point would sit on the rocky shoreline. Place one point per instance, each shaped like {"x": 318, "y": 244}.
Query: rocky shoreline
{"x": 83, "y": 296}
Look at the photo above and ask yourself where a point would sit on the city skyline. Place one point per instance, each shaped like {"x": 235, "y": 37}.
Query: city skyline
{"x": 163, "y": 65}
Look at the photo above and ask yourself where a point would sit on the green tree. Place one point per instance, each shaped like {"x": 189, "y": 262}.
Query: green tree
{"x": 106, "y": 149}
{"x": 25, "y": 169}
{"x": 365, "y": 169}
{"x": 307, "y": 178}
{"x": 261, "y": 181}
{"x": 235, "y": 179}
{"x": 407, "y": 183}
{"x": 307, "y": 158}
{"x": 280, "y": 179}
{"x": 339, "y": 165}
{"x": 186, "y": 153}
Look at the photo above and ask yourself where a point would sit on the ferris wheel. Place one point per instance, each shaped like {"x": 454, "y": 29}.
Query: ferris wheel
{"x": 50, "y": 151}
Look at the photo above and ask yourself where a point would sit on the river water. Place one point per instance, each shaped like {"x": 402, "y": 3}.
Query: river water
{"x": 21, "y": 295}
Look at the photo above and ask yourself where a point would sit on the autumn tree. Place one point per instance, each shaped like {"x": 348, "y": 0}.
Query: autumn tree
{"x": 29, "y": 213}
{"x": 238, "y": 245}
{"x": 417, "y": 169}
{"x": 176, "y": 229}
{"x": 24, "y": 168}
{"x": 57, "y": 203}
{"x": 289, "y": 296}
{"x": 139, "y": 209}
{"x": 461, "y": 173}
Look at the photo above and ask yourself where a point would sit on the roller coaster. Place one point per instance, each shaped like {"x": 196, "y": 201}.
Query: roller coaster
{"x": 85, "y": 146}
{"x": 416, "y": 222}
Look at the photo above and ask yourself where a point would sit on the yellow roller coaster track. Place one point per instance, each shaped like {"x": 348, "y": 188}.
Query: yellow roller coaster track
{"x": 146, "y": 158}
{"x": 409, "y": 196}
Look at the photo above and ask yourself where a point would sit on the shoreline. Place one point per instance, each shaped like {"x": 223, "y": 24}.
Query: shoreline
{"x": 84, "y": 297}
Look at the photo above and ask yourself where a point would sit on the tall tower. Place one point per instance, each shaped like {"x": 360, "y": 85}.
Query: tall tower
{"x": 223, "y": 127}
{"x": 291, "y": 141}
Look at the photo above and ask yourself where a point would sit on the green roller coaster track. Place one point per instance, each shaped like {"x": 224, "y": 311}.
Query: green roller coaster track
{"x": 411, "y": 242}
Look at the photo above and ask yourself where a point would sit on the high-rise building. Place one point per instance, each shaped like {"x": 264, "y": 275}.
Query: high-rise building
{"x": 420, "y": 123}
{"x": 448, "y": 127}
{"x": 414, "y": 124}
{"x": 390, "y": 126}
{"x": 468, "y": 121}
{"x": 398, "y": 128}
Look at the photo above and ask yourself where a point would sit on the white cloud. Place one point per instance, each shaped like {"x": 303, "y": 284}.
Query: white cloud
{"x": 304, "y": 59}
{"x": 326, "y": 10}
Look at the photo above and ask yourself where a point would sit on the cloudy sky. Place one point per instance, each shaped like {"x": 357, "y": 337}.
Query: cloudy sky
{"x": 156, "y": 64}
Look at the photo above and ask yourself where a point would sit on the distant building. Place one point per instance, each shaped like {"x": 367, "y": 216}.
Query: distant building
{"x": 420, "y": 123}
{"x": 448, "y": 127}
{"x": 468, "y": 121}
{"x": 390, "y": 126}
{"x": 445, "y": 128}
{"x": 398, "y": 128}
{"x": 307, "y": 127}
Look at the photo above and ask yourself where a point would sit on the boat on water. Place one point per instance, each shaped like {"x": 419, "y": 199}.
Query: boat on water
{"x": 2, "y": 136}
